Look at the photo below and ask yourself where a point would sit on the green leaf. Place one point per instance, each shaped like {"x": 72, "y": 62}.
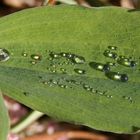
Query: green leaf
{"x": 44, "y": 85}
{"x": 4, "y": 120}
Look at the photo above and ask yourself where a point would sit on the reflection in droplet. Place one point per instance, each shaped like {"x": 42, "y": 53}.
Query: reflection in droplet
{"x": 4, "y": 55}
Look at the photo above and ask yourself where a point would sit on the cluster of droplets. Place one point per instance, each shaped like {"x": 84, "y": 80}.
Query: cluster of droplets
{"x": 120, "y": 60}
{"x": 65, "y": 83}
{"x": 76, "y": 59}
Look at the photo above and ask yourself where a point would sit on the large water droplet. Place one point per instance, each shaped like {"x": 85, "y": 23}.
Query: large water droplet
{"x": 127, "y": 62}
{"x": 4, "y": 55}
{"x": 117, "y": 76}
{"x": 100, "y": 66}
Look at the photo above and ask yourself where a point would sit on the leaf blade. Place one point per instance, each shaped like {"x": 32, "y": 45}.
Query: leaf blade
{"x": 79, "y": 34}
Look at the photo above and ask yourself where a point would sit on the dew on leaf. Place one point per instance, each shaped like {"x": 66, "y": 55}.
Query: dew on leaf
{"x": 87, "y": 87}
{"x": 100, "y": 66}
{"x": 117, "y": 76}
{"x": 33, "y": 62}
{"x": 63, "y": 86}
{"x": 127, "y": 62}
{"x": 80, "y": 71}
{"x": 110, "y": 54}
{"x": 24, "y": 54}
{"x": 63, "y": 54}
{"x": 4, "y": 55}
{"x": 112, "y": 47}
{"x": 111, "y": 63}
{"x": 36, "y": 57}
{"x": 54, "y": 55}
{"x": 78, "y": 59}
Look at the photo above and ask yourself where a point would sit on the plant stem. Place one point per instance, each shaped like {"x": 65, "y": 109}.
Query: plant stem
{"x": 25, "y": 123}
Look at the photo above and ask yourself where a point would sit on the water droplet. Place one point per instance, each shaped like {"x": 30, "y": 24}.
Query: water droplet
{"x": 117, "y": 76}
{"x": 87, "y": 87}
{"x": 4, "y": 55}
{"x": 109, "y": 96}
{"x": 112, "y": 47}
{"x": 63, "y": 70}
{"x": 33, "y": 62}
{"x": 54, "y": 55}
{"x": 24, "y": 54}
{"x": 53, "y": 71}
{"x": 63, "y": 54}
{"x": 79, "y": 71}
{"x": 93, "y": 90}
{"x": 53, "y": 81}
{"x": 78, "y": 59}
{"x": 46, "y": 82}
{"x": 63, "y": 86}
{"x": 109, "y": 54}
{"x": 127, "y": 62}
{"x": 111, "y": 63}
{"x": 100, "y": 66}
{"x": 36, "y": 57}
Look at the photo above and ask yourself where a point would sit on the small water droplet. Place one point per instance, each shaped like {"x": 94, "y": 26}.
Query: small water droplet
{"x": 93, "y": 90}
{"x": 87, "y": 87}
{"x": 36, "y": 57}
{"x": 46, "y": 82}
{"x": 111, "y": 63}
{"x": 33, "y": 62}
{"x": 63, "y": 86}
{"x": 112, "y": 47}
{"x": 4, "y": 55}
{"x": 110, "y": 54}
{"x": 24, "y": 54}
{"x": 100, "y": 66}
{"x": 78, "y": 59}
{"x": 109, "y": 96}
{"x": 53, "y": 71}
{"x": 80, "y": 71}
{"x": 62, "y": 69}
{"x": 53, "y": 81}
{"x": 63, "y": 54}
{"x": 117, "y": 76}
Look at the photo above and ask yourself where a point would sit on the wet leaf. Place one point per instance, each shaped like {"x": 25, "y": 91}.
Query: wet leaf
{"x": 48, "y": 45}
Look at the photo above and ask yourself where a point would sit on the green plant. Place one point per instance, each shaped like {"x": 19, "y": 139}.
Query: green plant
{"x": 54, "y": 59}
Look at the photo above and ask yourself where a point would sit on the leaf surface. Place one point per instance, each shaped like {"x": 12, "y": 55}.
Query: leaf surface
{"x": 4, "y": 120}
{"x": 54, "y": 85}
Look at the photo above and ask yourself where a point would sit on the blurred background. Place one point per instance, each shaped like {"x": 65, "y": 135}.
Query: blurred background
{"x": 44, "y": 127}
